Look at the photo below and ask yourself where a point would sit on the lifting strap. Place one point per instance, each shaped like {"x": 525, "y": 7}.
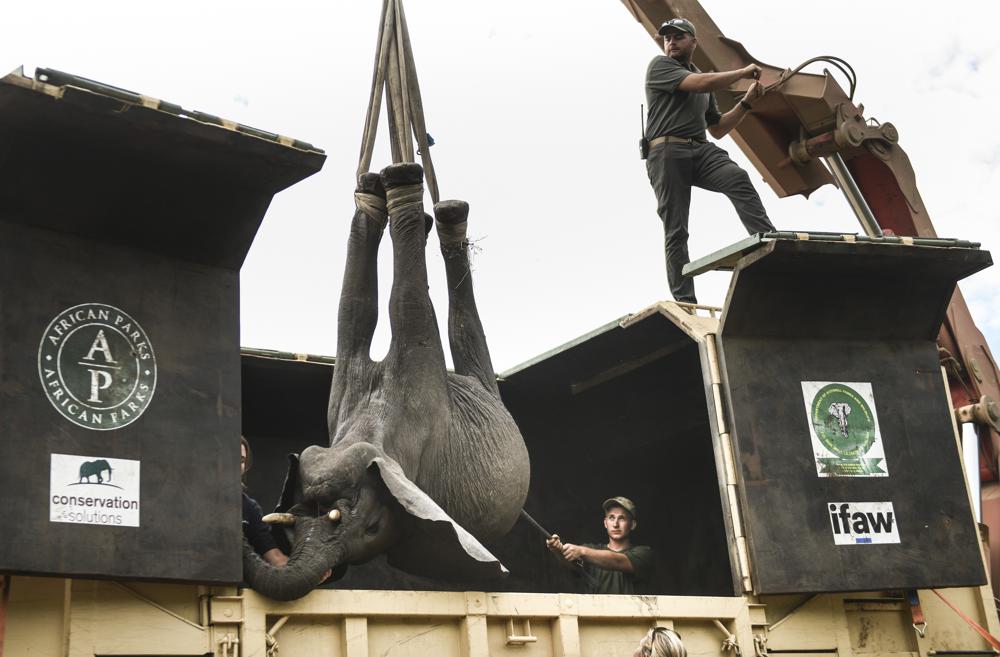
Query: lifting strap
{"x": 917, "y": 612}
{"x": 395, "y": 74}
{"x": 982, "y": 631}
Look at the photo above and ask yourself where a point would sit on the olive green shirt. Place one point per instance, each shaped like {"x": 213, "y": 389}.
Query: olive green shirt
{"x": 672, "y": 111}
{"x": 618, "y": 582}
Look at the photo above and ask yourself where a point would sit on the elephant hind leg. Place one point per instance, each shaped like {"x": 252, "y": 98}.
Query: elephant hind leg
{"x": 465, "y": 330}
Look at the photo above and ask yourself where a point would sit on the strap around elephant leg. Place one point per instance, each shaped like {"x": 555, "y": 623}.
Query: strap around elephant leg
{"x": 372, "y": 205}
{"x": 452, "y": 234}
{"x": 452, "y": 223}
{"x": 405, "y": 197}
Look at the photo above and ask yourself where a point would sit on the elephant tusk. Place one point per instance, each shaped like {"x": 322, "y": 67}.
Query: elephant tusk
{"x": 334, "y": 515}
{"x": 279, "y": 519}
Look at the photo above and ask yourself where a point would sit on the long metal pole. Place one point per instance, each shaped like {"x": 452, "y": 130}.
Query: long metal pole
{"x": 579, "y": 562}
{"x": 853, "y": 195}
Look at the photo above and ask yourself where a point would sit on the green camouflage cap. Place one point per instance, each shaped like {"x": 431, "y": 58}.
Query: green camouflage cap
{"x": 682, "y": 24}
{"x": 623, "y": 502}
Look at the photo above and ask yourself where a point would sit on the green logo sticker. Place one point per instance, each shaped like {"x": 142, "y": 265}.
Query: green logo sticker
{"x": 844, "y": 429}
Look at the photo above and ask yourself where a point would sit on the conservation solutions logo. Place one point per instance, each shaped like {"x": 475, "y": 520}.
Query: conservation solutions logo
{"x": 97, "y": 366}
{"x": 844, "y": 428}
{"x": 94, "y": 490}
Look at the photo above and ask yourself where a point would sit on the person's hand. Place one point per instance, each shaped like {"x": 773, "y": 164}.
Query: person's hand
{"x": 573, "y": 552}
{"x": 755, "y": 91}
{"x": 751, "y": 72}
{"x": 554, "y": 543}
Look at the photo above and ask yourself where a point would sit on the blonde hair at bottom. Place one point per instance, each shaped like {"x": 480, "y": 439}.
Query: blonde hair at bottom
{"x": 664, "y": 642}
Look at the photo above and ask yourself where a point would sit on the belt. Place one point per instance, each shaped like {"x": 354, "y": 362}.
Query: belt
{"x": 674, "y": 140}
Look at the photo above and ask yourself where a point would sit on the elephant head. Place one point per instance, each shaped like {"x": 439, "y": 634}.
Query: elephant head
{"x": 344, "y": 507}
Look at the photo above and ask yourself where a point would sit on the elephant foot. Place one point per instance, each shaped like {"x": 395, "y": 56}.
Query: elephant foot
{"x": 452, "y": 221}
{"x": 371, "y": 183}
{"x": 402, "y": 173}
{"x": 403, "y": 187}
{"x": 369, "y": 197}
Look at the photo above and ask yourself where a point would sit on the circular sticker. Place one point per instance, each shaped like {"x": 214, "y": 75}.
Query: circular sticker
{"x": 97, "y": 366}
{"x": 843, "y": 420}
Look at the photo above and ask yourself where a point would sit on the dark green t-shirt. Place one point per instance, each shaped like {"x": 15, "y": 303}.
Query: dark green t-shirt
{"x": 672, "y": 111}
{"x": 617, "y": 581}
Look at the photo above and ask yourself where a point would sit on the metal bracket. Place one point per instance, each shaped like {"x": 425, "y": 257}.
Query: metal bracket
{"x": 986, "y": 412}
{"x": 520, "y": 639}
{"x": 851, "y": 132}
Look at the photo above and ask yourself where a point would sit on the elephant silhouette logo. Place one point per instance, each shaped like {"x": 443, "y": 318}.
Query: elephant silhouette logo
{"x": 94, "y": 473}
{"x": 97, "y": 367}
{"x": 838, "y": 412}
{"x": 96, "y": 468}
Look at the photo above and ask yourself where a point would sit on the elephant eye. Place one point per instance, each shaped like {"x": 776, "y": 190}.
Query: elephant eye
{"x": 372, "y": 529}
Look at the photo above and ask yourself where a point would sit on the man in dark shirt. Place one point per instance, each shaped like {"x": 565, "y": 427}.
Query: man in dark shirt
{"x": 681, "y": 107}
{"x": 616, "y": 566}
{"x": 257, "y": 533}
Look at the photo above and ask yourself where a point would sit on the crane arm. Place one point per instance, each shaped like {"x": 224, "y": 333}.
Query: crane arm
{"x": 804, "y": 118}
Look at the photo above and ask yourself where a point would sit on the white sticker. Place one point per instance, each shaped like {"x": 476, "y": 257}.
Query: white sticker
{"x": 94, "y": 490}
{"x": 843, "y": 427}
{"x": 863, "y": 523}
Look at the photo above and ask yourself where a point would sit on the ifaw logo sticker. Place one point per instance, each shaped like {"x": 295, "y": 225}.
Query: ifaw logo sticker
{"x": 97, "y": 366}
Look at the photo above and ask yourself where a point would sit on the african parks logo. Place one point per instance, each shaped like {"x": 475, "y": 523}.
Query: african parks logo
{"x": 97, "y": 366}
{"x": 844, "y": 429}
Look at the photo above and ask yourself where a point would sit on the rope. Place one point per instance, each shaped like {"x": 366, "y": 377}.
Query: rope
{"x": 405, "y": 197}
{"x": 378, "y": 82}
{"x": 980, "y": 630}
{"x": 424, "y": 142}
{"x": 372, "y": 205}
{"x": 395, "y": 74}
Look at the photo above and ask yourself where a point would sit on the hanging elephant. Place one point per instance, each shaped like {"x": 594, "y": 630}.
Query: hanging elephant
{"x": 423, "y": 463}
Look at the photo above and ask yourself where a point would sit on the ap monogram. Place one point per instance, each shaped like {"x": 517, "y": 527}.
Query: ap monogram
{"x": 97, "y": 367}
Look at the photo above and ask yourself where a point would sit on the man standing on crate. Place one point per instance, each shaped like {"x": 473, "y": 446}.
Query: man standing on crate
{"x": 682, "y": 106}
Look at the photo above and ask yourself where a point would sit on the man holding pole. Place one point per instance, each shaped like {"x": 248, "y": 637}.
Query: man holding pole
{"x": 616, "y": 566}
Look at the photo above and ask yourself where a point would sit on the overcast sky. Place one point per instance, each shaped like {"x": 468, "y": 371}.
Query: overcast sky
{"x": 535, "y": 109}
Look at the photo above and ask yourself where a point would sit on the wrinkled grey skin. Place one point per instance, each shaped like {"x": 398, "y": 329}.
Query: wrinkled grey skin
{"x": 455, "y": 444}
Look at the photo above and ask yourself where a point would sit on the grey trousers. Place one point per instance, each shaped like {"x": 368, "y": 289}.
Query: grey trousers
{"x": 673, "y": 168}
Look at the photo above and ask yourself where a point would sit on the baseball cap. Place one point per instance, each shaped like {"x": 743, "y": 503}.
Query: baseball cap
{"x": 623, "y": 502}
{"x": 682, "y": 24}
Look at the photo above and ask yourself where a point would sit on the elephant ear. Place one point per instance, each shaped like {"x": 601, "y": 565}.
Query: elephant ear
{"x": 438, "y": 547}
{"x": 291, "y": 490}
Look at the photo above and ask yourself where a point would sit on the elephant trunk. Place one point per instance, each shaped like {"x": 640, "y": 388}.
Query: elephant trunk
{"x": 311, "y": 556}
